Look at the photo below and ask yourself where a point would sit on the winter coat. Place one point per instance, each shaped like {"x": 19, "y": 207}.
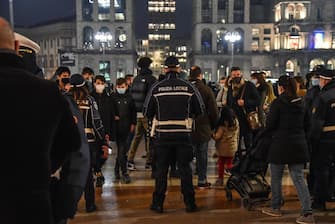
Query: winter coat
{"x": 140, "y": 88}
{"x": 205, "y": 123}
{"x": 107, "y": 111}
{"x": 125, "y": 110}
{"x": 39, "y": 129}
{"x": 226, "y": 139}
{"x": 288, "y": 122}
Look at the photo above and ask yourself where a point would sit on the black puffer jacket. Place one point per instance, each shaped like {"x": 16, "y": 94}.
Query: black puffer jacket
{"x": 125, "y": 110}
{"x": 107, "y": 112}
{"x": 288, "y": 123}
{"x": 141, "y": 86}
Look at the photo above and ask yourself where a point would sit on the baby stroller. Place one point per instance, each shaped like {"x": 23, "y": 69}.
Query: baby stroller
{"x": 248, "y": 173}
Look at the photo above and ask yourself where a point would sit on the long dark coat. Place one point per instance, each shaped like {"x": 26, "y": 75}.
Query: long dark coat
{"x": 38, "y": 130}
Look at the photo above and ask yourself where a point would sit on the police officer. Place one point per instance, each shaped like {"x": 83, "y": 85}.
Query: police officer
{"x": 323, "y": 132}
{"x": 28, "y": 50}
{"x": 172, "y": 104}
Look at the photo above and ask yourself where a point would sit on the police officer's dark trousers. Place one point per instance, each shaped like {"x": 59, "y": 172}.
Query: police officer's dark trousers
{"x": 89, "y": 188}
{"x": 163, "y": 154}
{"x": 322, "y": 163}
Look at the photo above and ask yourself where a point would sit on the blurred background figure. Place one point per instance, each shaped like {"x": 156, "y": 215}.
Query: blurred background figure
{"x": 28, "y": 50}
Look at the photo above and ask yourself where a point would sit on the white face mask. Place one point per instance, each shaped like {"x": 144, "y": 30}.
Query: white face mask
{"x": 121, "y": 90}
{"x": 254, "y": 81}
{"x": 99, "y": 88}
{"x": 221, "y": 85}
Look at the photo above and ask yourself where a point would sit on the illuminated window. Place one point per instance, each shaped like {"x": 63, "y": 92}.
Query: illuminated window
{"x": 255, "y": 44}
{"x": 255, "y": 31}
{"x": 104, "y": 69}
{"x": 278, "y": 14}
{"x": 318, "y": 39}
{"x": 300, "y": 11}
{"x": 289, "y": 11}
{"x": 120, "y": 8}
{"x": 222, "y": 44}
{"x": 267, "y": 44}
{"x": 315, "y": 62}
{"x": 289, "y": 66}
{"x": 333, "y": 40}
{"x": 103, "y": 9}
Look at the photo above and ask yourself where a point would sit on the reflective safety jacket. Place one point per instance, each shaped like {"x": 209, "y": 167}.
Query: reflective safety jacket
{"x": 172, "y": 105}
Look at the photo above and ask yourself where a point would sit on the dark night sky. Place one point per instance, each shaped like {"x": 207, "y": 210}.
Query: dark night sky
{"x": 30, "y": 12}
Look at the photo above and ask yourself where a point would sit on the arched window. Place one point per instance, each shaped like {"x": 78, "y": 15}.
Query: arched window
{"x": 300, "y": 11}
{"x": 290, "y": 66}
{"x": 222, "y": 44}
{"x": 239, "y": 11}
{"x": 88, "y": 37}
{"x": 289, "y": 11}
{"x": 120, "y": 38}
{"x": 206, "y": 41}
{"x": 331, "y": 64}
{"x": 206, "y": 11}
{"x": 239, "y": 45}
{"x": 104, "y": 37}
{"x": 87, "y": 10}
{"x": 278, "y": 14}
{"x": 315, "y": 62}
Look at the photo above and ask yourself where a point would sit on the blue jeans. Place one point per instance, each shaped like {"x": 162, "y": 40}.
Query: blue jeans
{"x": 201, "y": 154}
{"x": 297, "y": 176}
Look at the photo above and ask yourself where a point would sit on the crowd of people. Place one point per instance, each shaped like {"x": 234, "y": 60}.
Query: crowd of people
{"x": 67, "y": 133}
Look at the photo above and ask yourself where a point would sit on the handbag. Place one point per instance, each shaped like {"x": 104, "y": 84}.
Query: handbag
{"x": 252, "y": 117}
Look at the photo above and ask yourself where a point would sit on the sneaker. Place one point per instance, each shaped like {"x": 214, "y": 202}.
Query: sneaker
{"x": 204, "y": 185}
{"x": 305, "y": 219}
{"x": 131, "y": 165}
{"x": 126, "y": 179}
{"x": 218, "y": 182}
{"x": 227, "y": 172}
{"x": 272, "y": 212}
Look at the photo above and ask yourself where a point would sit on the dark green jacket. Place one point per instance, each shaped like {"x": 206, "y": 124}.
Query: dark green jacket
{"x": 204, "y": 125}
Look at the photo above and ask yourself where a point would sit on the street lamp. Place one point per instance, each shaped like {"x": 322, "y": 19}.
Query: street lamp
{"x": 232, "y": 37}
{"x": 104, "y": 38}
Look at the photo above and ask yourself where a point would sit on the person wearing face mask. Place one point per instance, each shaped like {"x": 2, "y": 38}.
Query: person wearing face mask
{"x": 62, "y": 75}
{"x": 258, "y": 80}
{"x": 125, "y": 125}
{"x": 107, "y": 112}
{"x": 242, "y": 97}
{"x": 221, "y": 98}
{"x": 323, "y": 138}
{"x": 88, "y": 75}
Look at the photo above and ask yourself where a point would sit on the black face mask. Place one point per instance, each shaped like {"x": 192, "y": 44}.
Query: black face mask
{"x": 65, "y": 80}
{"x": 236, "y": 80}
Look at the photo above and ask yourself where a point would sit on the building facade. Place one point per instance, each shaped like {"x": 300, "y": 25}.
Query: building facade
{"x": 105, "y": 37}
{"x": 100, "y": 36}
{"x": 279, "y": 37}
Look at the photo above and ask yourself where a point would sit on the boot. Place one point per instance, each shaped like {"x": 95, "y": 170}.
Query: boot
{"x": 190, "y": 205}
{"x": 157, "y": 203}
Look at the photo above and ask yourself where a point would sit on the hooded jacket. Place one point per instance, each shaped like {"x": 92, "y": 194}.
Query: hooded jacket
{"x": 288, "y": 123}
